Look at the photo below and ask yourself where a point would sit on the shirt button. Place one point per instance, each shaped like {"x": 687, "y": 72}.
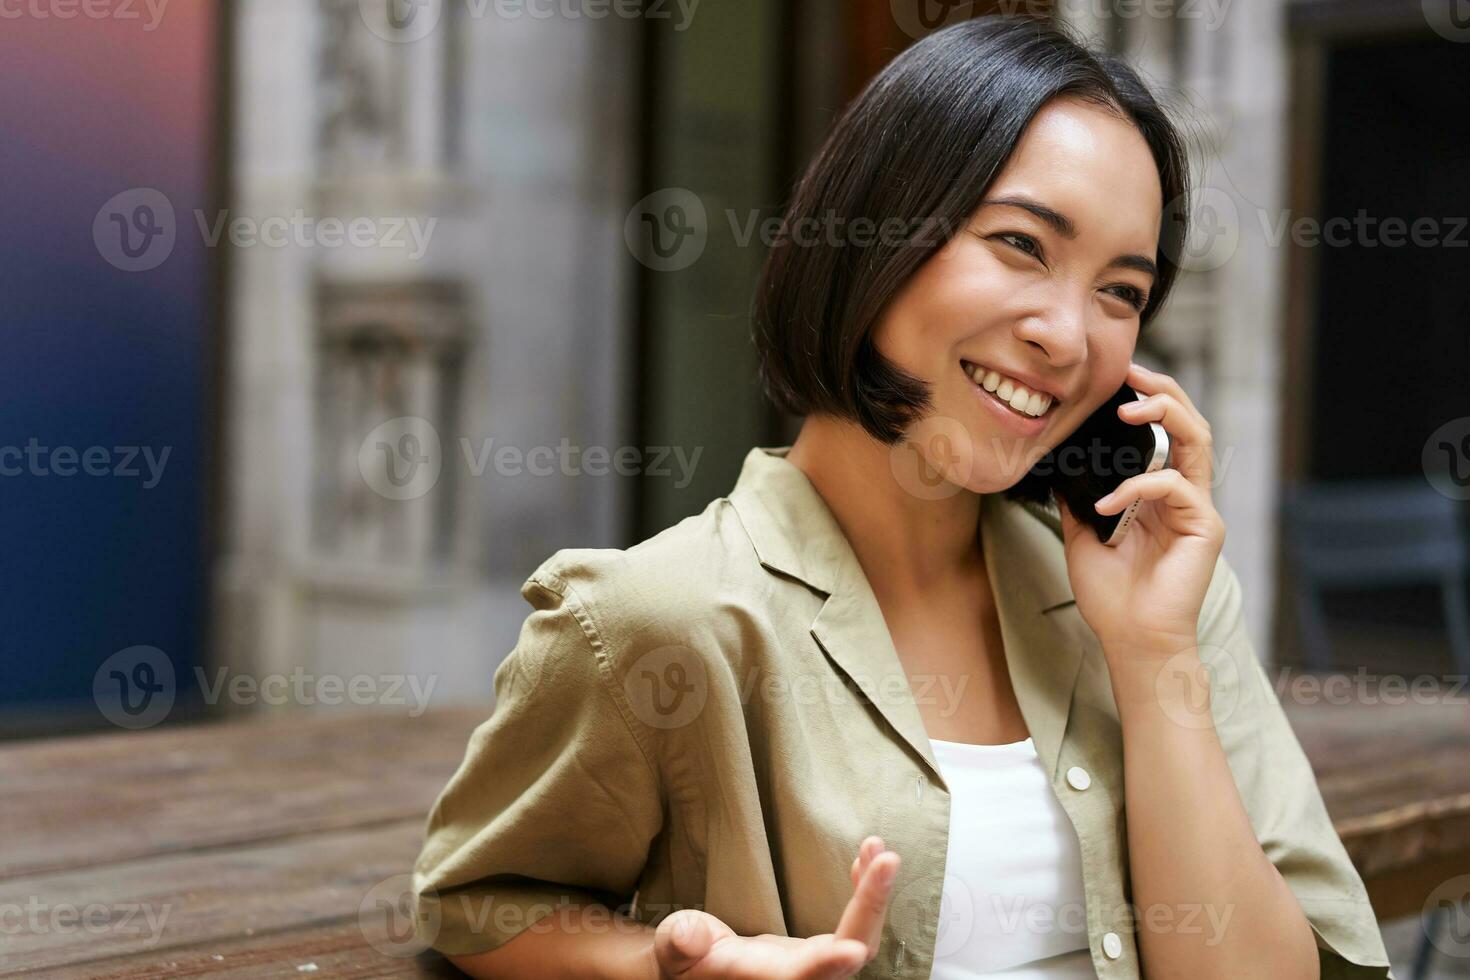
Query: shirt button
{"x": 1112, "y": 946}
{"x": 1078, "y": 779}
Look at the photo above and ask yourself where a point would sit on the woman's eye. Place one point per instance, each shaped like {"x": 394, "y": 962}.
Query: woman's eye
{"x": 1133, "y": 296}
{"x": 1025, "y": 243}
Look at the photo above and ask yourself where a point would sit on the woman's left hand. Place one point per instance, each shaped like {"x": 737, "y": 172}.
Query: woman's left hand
{"x": 1143, "y": 597}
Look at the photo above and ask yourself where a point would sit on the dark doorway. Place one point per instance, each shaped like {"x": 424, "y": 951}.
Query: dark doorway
{"x": 1393, "y": 324}
{"x": 1378, "y": 325}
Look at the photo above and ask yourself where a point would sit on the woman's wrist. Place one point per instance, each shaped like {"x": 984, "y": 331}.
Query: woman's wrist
{"x": 1160, "y": 675}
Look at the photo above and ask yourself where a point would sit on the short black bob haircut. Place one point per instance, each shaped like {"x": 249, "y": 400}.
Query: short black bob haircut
{"x": 921, "y": 145}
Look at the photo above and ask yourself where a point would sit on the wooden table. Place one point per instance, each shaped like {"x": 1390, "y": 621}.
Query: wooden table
{"x": 264, "y": 840}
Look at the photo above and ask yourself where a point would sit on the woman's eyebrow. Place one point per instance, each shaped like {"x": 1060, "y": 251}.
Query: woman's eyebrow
{"x": 1063, "y": 226}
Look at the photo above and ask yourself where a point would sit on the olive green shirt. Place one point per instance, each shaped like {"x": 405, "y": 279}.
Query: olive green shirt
{"x": 716, "y": 717}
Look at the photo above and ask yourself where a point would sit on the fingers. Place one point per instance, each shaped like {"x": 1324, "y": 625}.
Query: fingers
{"x": 1189, "y": 507}
{"x": 1192, "y": 443}
{"x": 863, "y": 918}
{"x": 866, "y": 850}
{"x": 682, "y": 940}
{"x": 829, "y": 958}
{"x": 1148, "y": 382}
{"x": 1071, "y": 526}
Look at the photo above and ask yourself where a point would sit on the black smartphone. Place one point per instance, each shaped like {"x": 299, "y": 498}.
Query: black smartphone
{"x": 1103, "y": 452}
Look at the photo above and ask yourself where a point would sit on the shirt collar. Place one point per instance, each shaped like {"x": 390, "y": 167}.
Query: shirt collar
{"x": 795, "y": 534}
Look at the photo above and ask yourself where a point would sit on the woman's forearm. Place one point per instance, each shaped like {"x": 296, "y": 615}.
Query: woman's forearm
{"x": 587, "y": 942}
{"x": 1209, "y": 901}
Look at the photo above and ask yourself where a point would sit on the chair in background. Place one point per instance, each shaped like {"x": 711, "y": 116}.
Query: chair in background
{"x": 1369, "y": 534}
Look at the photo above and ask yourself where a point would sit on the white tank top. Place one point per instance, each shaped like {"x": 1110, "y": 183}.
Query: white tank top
{"x": 1013, "y": 904}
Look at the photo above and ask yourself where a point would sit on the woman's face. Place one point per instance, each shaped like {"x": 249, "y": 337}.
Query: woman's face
{"x": 1055, "y": 308}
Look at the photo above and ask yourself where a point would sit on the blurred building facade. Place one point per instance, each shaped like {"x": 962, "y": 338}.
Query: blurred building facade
{"x": 508, "y": 142}
{"x": 526, "y": 322}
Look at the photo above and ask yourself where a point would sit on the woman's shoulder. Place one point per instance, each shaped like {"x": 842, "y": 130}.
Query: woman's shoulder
{"x": 688, "y": 583}
{"x": 697, "y": 552}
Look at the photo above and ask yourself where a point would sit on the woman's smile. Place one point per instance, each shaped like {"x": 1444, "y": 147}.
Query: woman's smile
{"x": 1023, "y": 410}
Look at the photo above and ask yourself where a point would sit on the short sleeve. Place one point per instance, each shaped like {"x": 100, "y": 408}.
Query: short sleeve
{"x": 556, "y": 801}
{"x": 1280, "y": 792}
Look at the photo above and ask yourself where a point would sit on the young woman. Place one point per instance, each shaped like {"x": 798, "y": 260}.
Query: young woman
{"x": 875, "y": 712}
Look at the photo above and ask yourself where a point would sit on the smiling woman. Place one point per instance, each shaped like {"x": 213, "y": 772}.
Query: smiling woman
{"x": 1107, "y": 777}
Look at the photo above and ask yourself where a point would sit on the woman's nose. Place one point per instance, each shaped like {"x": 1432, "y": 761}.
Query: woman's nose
{"x": 1058, "y": 327}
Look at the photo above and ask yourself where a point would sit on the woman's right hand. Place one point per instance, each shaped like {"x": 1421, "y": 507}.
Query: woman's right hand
{"x": 694, "y": 945}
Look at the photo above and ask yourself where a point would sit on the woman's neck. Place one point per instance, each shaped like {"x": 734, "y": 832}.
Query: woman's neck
{"x": 907, "y": 542}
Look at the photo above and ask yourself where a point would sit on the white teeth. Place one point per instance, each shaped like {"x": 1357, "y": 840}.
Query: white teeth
{"x": 1013, "y": 393}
